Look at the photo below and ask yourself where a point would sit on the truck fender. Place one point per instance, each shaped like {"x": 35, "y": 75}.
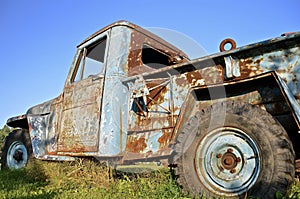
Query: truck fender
{"x": 267, "y": 91}
{"x": 36, "y": 126}
{"x": 37, "y": 130}
{"x": 18, "y": 122}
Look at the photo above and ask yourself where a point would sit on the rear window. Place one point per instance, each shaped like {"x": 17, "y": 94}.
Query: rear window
{"x": 154, "y": 58}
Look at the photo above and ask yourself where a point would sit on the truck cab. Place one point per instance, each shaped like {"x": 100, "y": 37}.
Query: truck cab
{"x": 93, "y": 115}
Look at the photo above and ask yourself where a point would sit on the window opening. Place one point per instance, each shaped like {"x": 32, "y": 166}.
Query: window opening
{"x": 78, "y": 70}
{"x": 139, "y": 106}
{"x": 91, "y": 61}
{"x": 154, "y": 58}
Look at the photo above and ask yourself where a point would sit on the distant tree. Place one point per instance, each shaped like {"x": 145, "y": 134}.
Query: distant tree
{"x": 3, "y": 133}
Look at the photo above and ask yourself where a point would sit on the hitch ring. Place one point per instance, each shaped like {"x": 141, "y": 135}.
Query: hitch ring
{"x": 227, "y": 41}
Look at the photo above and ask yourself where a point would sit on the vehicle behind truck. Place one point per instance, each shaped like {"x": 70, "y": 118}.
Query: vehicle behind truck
{"x": 227, "y": 123}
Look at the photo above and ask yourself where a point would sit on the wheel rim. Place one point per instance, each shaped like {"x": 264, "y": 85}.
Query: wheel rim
{"x": 17, "y": 155}
{"x": 228, "y": 161}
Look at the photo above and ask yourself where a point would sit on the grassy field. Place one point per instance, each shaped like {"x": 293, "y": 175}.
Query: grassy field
{"x": 87, "y": 179}
{"x": 83, "y": 179}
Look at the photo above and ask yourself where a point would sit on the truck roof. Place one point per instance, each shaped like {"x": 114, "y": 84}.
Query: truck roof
{"x": 139, "y": 29}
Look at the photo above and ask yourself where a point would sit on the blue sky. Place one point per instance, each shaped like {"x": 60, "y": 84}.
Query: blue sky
{"x": 39, "y": 37}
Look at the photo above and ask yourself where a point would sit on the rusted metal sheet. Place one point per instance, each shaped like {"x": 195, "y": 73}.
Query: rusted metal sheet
{"x": 297, "y": 166}
{"x": 79, "y": 124}
{"x": 216, "y": 69}
{"x": 114, "y": 111}
{"x": 37, "y": 129}
{"x": 139, "y": 42}
{"x": 42, "y": 121}
{"x": 53, "y": 130}
{"x": 284, "y": 61}
{"x": 281, "y": 55}
{"x": 80, "y": 116}
{"x": 151, "y": 106}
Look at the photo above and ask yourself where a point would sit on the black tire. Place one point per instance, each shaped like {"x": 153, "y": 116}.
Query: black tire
{"x": 16, "y": 150}
{"x": 245, "y": 152}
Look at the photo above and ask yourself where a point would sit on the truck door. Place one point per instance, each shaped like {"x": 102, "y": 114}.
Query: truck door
{"x": 79, "y": 127}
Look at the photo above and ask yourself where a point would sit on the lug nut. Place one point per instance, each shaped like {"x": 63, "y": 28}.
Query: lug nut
{"x": 230, "y": 150}
{"x": 238, "y": 159}
{"x": 219, "y": 155}
{"x": 232, "y": 171}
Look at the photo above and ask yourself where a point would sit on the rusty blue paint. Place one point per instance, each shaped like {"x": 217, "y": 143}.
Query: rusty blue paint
{"x": 37, "y": 126}
{"x": 291, "y": 99}
{"x": 284, "y": 61}
{"x": 113, "y": 122}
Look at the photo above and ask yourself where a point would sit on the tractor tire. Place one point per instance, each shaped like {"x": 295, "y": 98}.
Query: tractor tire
{"x": 16, "y": 150}
{"x": 234, "y": 150}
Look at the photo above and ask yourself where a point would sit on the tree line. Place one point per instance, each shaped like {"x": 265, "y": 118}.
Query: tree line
{"x": 3, "y": 133}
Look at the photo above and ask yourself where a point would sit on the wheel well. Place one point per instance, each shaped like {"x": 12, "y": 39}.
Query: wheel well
{"x": 18, "y": 122}
{"x": 263, "y": 91}
{"x": 214, "y": 157}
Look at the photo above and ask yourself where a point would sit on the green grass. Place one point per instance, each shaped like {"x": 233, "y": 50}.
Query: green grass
{"x": 83, "y": 179}
{"x": 88, "y": 179}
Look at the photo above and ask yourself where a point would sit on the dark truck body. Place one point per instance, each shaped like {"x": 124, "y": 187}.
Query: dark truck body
{"x": 147, "y": 90}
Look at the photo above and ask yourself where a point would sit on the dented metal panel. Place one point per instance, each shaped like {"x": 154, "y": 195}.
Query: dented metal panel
{"x": 139, "y": 42}
{"x": 145, "y": 127}
{"x": 79, "y": 125}
{"x": 284, "y": 61}
{"x": 281, "y": 55}
{"x": 43, "y": 144}
{"x": 37, "y": 129}
{"x": 292, "y": 101}
{"x": 114, "y": 112}
{"x": 79, "y": 128}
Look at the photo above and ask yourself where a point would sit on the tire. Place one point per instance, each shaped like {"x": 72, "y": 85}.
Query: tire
{"x": 243, "y": 153}
{"x": 16, "y": 150}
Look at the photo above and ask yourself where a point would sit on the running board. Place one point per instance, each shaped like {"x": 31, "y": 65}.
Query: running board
{"x": 139, "y": 168}
{"x": 56, "y": 158}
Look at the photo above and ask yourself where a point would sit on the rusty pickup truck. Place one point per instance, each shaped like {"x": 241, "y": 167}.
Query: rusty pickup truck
{"x": 227, "y": 124}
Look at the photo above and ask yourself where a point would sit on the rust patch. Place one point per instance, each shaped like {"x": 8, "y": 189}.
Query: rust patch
{"x": 193, "y": 76}
{"x": 297, "y": 165}
{"x": 151, "y": 123}
{"x": 138, "y": 40}
{"x": 136, "y": 145}
{"x": 212, "y": 75}
{"x": 165, "y": 139}
{"x": 249, "y": 67}
{"x": 181, "y": 80}
{"x": 257, "y": 62}
{"x": 157, "y": 92}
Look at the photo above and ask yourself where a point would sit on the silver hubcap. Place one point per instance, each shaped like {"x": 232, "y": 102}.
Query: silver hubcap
{"x": 228, "y": 161}
{"x": 17, "y": 155}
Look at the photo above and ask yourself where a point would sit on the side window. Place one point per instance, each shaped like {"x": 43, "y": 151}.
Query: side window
{"x": 91, "y": 61}
{"x": 154, "y": 58}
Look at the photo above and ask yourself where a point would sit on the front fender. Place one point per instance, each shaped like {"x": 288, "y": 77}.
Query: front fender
{"x": 37, "y": 131}
{"x": 21, "y": 121}
{"x": 36, "y": 125}
{"x": 18, "y": 122}
{"x": 41, "y": 109}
